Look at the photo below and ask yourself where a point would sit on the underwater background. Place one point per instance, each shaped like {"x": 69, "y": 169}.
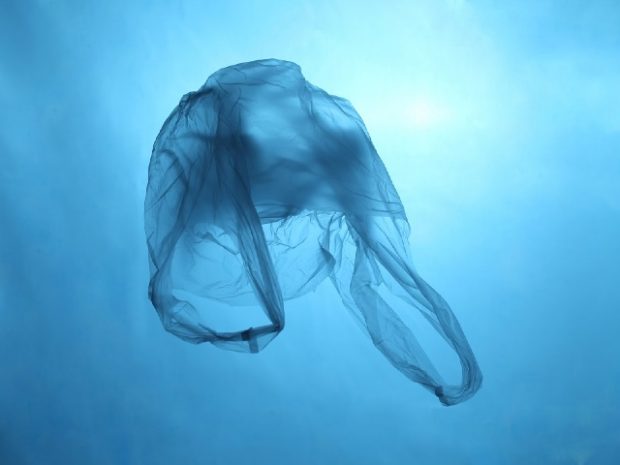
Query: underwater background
{"x": 499, "y": 123}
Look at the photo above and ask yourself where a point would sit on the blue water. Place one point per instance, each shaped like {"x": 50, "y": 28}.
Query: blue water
{"x": 499, "y": 126}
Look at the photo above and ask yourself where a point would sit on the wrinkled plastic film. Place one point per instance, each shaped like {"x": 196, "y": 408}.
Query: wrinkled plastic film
{"x": 261, "y": 186}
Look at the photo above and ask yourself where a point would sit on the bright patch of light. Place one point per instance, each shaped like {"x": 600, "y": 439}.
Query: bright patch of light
{"x": 424, "y": 114}
{"x": 421, "y": 114}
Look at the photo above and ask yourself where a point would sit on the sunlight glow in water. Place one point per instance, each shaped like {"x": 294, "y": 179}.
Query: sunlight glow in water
{"x": 425, "y": 113}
